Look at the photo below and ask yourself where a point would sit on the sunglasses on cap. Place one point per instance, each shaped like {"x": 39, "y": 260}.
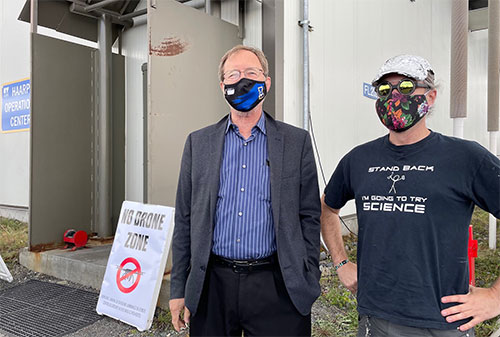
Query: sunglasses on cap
{"x": 406, "y": 87}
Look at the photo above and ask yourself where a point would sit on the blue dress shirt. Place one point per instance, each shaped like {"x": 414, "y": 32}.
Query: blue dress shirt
{"x": 244, "y": 226}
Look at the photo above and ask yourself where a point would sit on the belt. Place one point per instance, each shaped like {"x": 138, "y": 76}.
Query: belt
{"x": 245, "y": 266}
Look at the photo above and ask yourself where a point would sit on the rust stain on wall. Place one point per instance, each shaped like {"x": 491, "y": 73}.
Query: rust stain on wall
{"x": 170, "y": 46}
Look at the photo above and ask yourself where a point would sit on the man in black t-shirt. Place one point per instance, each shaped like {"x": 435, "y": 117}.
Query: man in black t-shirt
{"x": 415, "y": 191}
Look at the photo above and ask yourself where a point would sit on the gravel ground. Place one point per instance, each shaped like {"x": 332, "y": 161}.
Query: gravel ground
{"x": 112, "y": 328}
{"x": 105, "y": 327}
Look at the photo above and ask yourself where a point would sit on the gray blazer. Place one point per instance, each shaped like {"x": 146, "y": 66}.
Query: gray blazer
{"x": 295, "y": 204}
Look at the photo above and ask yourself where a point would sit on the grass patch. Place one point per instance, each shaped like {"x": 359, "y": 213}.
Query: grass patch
{"x": 487, "y": 264}
{"x": 345, "y": 323}
{"x": 163, "y": 320}
{"x": 13, "y": 237}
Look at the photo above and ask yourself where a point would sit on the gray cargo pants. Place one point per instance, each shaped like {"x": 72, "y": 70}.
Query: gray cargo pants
{"x": 376, "y": 327}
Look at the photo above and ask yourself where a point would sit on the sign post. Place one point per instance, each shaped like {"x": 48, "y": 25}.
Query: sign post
{"x": 135, "y": 268}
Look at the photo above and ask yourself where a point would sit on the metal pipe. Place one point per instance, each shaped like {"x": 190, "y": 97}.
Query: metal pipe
{"x": 99, "y": 5}
{"x": 133, "y": 14}
{"x": 34, "y": 16}
{"x": 305, "y": 52}
{"x": 104, "y": 133}
{"x": 458, "y": 127}
{"x": 493, "y": 93}
{"x": 458, "y": 71}
{"x": 139, "y": 21}
{"x": 493, "y": 64}
{"x": 208, "y": 7}
{"x": 195, "y": 3}
{"x": 492, "y": 233}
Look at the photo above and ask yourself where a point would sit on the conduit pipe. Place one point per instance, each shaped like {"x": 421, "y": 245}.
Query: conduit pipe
{"x": 493, "y": 92}
{"x": 33, "y": 16}
{"x": 195, "y": 3}
{"x": 104, "y": 131}
{"x": 99, "y": 5}
{"x": 305, "y": 52}
{"x": 458, "y": 71}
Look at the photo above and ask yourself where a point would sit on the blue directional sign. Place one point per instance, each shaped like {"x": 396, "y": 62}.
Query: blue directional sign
{"x": 369, "y": 91}
{"x": 16, "y": 106}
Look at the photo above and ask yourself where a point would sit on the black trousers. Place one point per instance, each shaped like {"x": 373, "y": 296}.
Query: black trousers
{"x": 254, "y": 304}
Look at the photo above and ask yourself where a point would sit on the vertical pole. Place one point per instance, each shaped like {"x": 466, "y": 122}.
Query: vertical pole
{"x": 305, "y": 52}
{"x": 104, "y": 133}
{"x": 208, "y": 7}
{"x": 493, "y": 92}
{"x": 34, "y": 16}
{"x": 458, "y": 127}
{"x": 33, "y": 30}
{"x": 458, "y": 71}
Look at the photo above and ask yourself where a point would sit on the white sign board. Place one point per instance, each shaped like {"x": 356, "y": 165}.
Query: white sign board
{"x": 134, "y": 273}
{"x": 4, "y": 271}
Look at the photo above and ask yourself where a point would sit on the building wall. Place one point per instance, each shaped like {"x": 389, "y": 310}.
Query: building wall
{"x": 349, "y": 42}
{"x": 14, "y": 65}
{"x": 351, "y": 39}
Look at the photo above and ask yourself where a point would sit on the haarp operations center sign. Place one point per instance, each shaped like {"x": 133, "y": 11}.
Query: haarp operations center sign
{"x": 16, "y": 106}
{"x": 134, "y": 273}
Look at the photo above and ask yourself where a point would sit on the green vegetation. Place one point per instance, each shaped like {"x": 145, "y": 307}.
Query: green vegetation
{"x": 344, "y": 320}
{"x": 163, "y": 320}
{"x": 487, "y": 264}
{"x": 13, "y": 237}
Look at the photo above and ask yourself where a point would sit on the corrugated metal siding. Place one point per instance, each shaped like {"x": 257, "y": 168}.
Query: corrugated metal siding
{"x": 135, "y": 50}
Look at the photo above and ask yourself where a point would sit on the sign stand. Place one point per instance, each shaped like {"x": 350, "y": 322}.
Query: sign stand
{"x": 4, "y": 271}
{"x": 136, "y": 264}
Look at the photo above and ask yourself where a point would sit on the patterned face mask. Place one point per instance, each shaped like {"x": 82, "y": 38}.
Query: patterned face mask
{"x": 245, "y": 94}
{"x": 400, "y": 112}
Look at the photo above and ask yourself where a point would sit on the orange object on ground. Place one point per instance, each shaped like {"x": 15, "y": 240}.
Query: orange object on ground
{"x": 472, "y": 254}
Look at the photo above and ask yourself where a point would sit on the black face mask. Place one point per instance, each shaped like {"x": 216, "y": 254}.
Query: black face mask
{"x": 245, "y": 94}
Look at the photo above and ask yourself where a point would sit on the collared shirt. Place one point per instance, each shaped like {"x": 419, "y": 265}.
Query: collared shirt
{"x": 244, "y": 226}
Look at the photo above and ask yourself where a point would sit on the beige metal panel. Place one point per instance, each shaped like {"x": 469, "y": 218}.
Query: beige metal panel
{"x": 477, "y": 101}
{"x": 60, "y": 145}
{"x": 184, "y": 93}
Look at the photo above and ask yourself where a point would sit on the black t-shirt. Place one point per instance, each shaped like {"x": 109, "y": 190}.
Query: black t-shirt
{"x": 414, "y": 205}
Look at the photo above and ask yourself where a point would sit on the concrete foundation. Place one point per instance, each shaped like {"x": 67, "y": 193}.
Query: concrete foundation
{"x": 14, "y": 212}
{"x": 84, "y": 266}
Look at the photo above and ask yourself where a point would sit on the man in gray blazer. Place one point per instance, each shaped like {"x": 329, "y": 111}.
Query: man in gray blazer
{"x": 247, "y": 233}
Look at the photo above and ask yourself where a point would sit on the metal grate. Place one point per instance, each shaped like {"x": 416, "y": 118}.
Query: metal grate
{"x": 41, "y": 309}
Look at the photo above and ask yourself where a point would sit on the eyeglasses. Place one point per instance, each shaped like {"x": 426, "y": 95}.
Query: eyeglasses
{"x": 405, "y": 86}
{"x": 234, "y": 75}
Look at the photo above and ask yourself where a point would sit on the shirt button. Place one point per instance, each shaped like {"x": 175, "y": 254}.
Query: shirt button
{"x": 244, "y": 166}
{"x": 242, "y": 189}
{"x": 245, "y": 143}
{"x": 238, "y": 240}
{"x": 240, "y": 213}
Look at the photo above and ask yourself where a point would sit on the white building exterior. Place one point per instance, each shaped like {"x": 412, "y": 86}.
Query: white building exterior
{"x": 350, "y": 40}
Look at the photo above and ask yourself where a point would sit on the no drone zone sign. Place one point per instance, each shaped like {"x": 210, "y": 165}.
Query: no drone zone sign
{"x": 135, "y": 268}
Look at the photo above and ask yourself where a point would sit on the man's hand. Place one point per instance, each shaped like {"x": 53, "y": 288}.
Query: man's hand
{"x": 480, "y": 304}
{"x": 348, "y": 275}
{"x": 176, "y": 307}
